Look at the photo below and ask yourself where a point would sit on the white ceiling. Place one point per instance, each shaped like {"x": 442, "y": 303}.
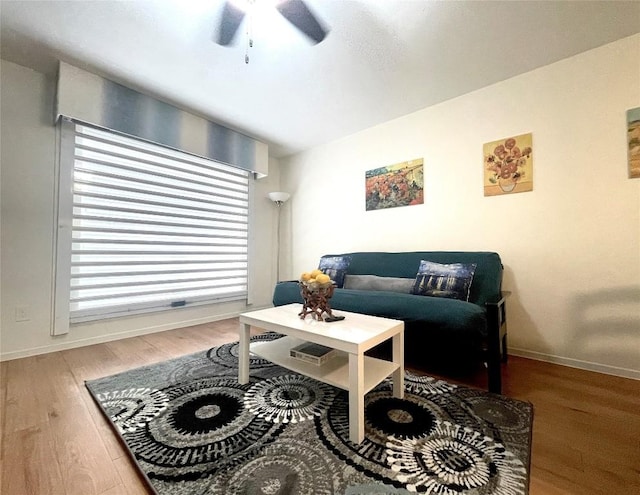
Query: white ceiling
{"x": 382, "y": 58}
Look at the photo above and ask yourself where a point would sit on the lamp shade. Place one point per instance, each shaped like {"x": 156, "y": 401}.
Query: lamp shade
{"x": 279, "y": 197}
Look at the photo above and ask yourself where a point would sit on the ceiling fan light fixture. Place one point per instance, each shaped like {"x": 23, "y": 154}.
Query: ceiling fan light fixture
{"x": 294, "y": 11}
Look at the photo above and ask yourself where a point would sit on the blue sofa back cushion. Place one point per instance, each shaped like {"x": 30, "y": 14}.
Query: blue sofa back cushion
{"x": 487, "y": 279}
{"x": 451, "y": 280}
{"x": 336, "y": 267}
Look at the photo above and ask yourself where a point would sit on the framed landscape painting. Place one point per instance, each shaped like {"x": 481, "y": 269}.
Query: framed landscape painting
{"x": 508, "y": 165}
{"x": 633, "y": 141}
{"x": 401, "y": 184}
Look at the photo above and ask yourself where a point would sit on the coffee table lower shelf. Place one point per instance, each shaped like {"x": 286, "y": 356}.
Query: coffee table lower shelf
{"x": 334, "y": 372}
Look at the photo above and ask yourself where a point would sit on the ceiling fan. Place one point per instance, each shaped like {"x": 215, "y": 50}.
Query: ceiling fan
{"x": 295, "y": 11}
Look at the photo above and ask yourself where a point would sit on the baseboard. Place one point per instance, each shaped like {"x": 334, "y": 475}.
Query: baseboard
{"x": 576, "y": 363}
{"x": 101, "y": 339}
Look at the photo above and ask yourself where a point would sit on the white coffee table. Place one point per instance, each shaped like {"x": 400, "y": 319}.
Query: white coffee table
{"x": 350, "y": 370}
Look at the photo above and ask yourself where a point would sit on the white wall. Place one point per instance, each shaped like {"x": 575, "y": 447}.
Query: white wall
{"x": 28, "y": 147}
{"x": 571, "y": 247}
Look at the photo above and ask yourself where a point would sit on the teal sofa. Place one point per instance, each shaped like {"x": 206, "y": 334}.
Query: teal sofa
{"x": 436, "y": 328}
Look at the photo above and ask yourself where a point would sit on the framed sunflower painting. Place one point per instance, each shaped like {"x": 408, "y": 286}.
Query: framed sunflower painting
{"x": 508, "y": 165}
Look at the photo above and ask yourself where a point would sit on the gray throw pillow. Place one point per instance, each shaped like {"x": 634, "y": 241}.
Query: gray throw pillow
{"x": 373, "y": 282}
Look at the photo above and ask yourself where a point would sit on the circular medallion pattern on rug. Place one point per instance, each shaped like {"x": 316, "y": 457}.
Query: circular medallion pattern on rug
{"x": 419, "y": 384}
{"x": 291, "y": 466}
{"x": 373, "y": 489}
{"x": 130, "y": 409}
{"x": 446, "y": 397}
{"x": 193, "y": 370}
{"x": 453, "y": 459}
{"x": 289, "y": 398}
{"x": 385, "y": 415}
{"x": 510, "y": 417}
{"x": 205, "y": 423}
{"x": 227, "y": 354}
{"x": 409, "y": 443}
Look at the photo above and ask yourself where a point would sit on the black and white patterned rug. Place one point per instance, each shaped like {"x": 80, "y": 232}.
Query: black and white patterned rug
{"x": 192, "y": 429}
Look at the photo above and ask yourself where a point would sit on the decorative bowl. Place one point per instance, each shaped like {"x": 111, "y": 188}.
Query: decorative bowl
{"x": 316, "y": 298}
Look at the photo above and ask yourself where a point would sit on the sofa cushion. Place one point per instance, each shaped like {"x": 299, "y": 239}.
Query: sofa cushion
{"x": 451, "y": 280}
{"x": 373, "y": 282}
{"x": 336, "y": 267}
{"x": 457, "y": 318}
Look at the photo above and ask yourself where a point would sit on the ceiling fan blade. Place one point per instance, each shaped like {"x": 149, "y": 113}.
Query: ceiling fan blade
{"x": 229, "y": 23}
{"x": 298, "y": 14}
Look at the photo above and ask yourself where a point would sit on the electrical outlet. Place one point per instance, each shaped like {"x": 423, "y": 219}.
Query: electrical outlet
{"x": 22, "y": 313}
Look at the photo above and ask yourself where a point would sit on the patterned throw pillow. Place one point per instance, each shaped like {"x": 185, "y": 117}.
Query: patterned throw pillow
{"x": 335, "y": 267}
{"x": 437, "y": 280}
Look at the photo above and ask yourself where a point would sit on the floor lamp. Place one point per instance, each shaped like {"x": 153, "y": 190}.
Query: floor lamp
{"x": 278, "y": 198}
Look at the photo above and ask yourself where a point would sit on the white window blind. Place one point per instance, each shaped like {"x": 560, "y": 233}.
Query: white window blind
{"x": 153, "y": 228}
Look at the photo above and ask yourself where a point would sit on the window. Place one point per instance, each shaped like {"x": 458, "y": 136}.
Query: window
{"x": 146, "y": 227}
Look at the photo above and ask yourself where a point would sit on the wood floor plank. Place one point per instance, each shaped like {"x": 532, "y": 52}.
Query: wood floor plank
{"x": 85, "y": 471}
{"x": 552, "y": 453}
{"x": 4, "y": 367}
{"x": 138, "y": 352}
{"x": 28, "y": 466}
{"x": 544, "y": 482}
{"x": 23, "y": 410}
{"x": 132, "y": 480}
{"x": 616, "y": 475}
{"x": 116, "y": 490}
{"x": 190, "y": 339}
{"x": 95, "y": 361}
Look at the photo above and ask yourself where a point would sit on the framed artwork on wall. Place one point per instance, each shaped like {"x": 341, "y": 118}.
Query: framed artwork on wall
{"x": 508, "y": 165}
{"x": 401, "y": 184}
{"x": 633, "y": 142}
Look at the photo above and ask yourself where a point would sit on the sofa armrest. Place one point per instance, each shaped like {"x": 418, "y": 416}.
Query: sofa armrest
{"x": 496, "y": 340}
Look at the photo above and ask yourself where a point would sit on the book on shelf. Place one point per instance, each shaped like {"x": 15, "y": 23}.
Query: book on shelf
{"x": 312, "y": 353}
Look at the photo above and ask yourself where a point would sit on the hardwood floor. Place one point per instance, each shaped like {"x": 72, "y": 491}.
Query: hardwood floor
{"x": 586, "y": 437}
